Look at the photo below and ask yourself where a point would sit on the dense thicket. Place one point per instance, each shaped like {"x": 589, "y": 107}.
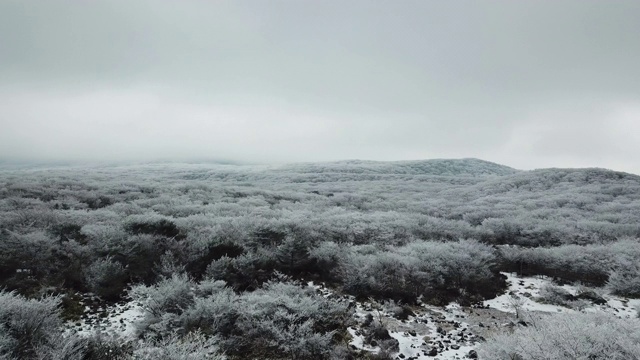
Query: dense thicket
{"x": 27, "y": 326}
{"x": 32, "y": 329}
{"x": 279, "y": 320}
{"x": 614, "y": 264}
{"x": 67, "y": 227}
{"x": 437, "y": 230}
{"x": 594, "y": 336}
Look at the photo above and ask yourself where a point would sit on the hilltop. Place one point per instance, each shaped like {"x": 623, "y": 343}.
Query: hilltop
{"x": 439, "y": 167}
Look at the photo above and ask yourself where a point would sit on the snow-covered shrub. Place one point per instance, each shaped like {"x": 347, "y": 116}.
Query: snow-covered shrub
{"x": 245, "y": 272}
{"x": 614, "y": 263}
{"x": 213, "y": 314}
{"x": 106, "y": 278}
{"x": 104, "y": 237}
{"x": 152, "y": 224}
{"x": 67, "y": 232}
{"x": 199, "y": 257}
{"x": 292, "y": 255}
{"x": 163, "y": 304}
{"x": 170, "y": 295}
{"x": 328, "y": 258}
{"x": 555, "y": 295}
{"x": 625, "y": 277}
{"x": 169, "y": 265}
{"x": 208, "y": 287}
{"x": 6, "y": 343}
{"x": 285, "y": 320}
{"x": 35, "y": 260}
{"x": 27, "y": 326}
{"x": 625, "y": 281}
{"x": 104, "y": 347}
{"x": 142, "y": 253}
{"x": 595, "y": 336}
{"x": 439, "y": 271}
{"x": 28, "y": 261}
{"x": 193, "y": 346}
{"x": 97, "y": 202}
{"x": 355, "y": 277}
{"x": 363, "y": 273}
{"x": 139, "y": 254}
{"x": 274, "y": 321}
{"x": 222, "y": 268}
{"x": 66, "y": 348}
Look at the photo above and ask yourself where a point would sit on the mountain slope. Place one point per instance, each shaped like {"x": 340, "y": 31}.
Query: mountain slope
{"x": 438, "y": 167}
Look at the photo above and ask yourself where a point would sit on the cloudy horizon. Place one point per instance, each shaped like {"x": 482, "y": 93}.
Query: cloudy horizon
{"x": 524, "y": 84}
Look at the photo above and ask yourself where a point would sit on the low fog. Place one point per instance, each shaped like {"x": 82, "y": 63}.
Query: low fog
{"x": 529, "y": 85}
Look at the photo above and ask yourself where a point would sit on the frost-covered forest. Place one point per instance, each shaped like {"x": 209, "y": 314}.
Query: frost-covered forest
{"x": 344, "y": 260}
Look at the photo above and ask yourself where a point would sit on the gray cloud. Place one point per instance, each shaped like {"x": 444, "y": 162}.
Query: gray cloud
{"x": 530, "y": 84}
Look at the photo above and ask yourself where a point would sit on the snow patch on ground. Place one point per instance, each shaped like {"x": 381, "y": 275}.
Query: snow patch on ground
{"x": 358, "y": 341}
{"x": 527, "y": 290}
{"x": 116, "y": 320}
{"x": 433, "y": 333}
{"x": 445, "y": 329}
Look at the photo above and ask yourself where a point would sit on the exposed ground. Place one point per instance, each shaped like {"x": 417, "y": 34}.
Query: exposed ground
{"x": 444, "y": 333}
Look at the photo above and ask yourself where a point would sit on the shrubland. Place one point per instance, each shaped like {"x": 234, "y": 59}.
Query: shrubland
{"x": 211, "y": 244}
{"x": 32, "y": 329}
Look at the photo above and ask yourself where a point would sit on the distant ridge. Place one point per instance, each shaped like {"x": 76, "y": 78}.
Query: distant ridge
{"x": 437, "y": 167}
{"x": 552, "y": 177}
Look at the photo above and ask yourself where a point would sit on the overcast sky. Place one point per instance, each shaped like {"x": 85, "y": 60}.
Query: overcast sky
{"x": 528, "y": 84}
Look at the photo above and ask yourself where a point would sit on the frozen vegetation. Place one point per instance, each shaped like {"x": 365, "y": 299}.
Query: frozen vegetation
{"x": 445, "y": 259}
